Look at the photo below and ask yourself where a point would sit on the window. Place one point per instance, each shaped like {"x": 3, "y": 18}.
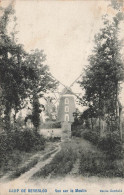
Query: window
{"x": 66, "y": 117}
{"x": 66, "y": 109}
{"x": 66, "y": 101}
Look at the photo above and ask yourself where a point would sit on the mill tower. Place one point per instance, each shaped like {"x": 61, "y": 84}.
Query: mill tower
{"x": 65, "y": 112}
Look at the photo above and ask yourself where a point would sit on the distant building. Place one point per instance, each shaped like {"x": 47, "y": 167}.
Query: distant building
{"x": 65, "y": 111}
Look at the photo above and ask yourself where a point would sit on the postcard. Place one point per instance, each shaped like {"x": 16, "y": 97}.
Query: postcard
{"x": 61, "y": 97}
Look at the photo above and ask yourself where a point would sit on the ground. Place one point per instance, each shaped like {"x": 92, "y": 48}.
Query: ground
{"x": 49, "y": 169}
{"x": 45, "y": 157}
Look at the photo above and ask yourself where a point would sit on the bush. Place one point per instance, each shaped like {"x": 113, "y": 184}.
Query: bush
{"x": 56, "y": 125}
{"x": 94, "y": 164}
{"x": 51, "y": 125}
{"x": 23, "y": 141}
{"x": 90, "y": 136}
{"x": 14, "y": 146}
{"x": 77, "y": 130}
{"x": 54, "y": 139}
{"x": 111, "y": 145}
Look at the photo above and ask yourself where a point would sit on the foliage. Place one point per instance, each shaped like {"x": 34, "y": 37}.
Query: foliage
{"x": 51, "y": 125}
{"x": 91, "y": 136}
{"x": 76, "y": 116}
{"x": 77, "y": 130}
{"x": 112, "y": 146}
{"x": 36, "y": 112}
{"x": 22, "y": 74}
{"x": 54, "y": 139}
{"x": 50, "y": 109}
{"x": 97, "y": 164}
{"x": 13, "y": 70}
{"x": 102, "y": 76}
{"x": 16, "y": 148}
{"x": 22, "y": 141}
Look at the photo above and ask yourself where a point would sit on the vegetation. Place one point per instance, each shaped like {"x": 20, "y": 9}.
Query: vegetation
{"x": 51, "y": 125}
{"x": 91, "y": 162}
{"x": 22, "y": 75}
{"x": 36, "y": 112}
{"x": 13, "y": 144}
{"x": 19, "y": 171}
{"x": 102, "y": 76}
{"x": 77, "y": 130}
{"x": 101, "y": 84}
{"x": 61, "y": 164}
{"x": 100, "y": 165}
{"x": 25, "y": 79}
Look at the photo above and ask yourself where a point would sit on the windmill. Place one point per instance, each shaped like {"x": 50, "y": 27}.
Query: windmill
{"x": 66, "y": 108}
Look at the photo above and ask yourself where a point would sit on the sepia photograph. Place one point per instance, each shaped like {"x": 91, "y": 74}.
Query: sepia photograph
{"x": 61, "y": 97}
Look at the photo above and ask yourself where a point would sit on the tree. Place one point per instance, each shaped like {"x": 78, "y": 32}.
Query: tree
{"x": 102, "y": 76}
{"x": 76, "y": 116}
{"x": 13, "y": 70}
{"x": 50, "y": 109}
{"x": 41, "y": 82}
{"x": 36, "y": 112}
{"x": 22, "y": 74}
{"x": 90, "y": 113}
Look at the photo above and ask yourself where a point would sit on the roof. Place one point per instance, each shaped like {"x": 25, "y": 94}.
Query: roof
{"x": 67, "y": 90}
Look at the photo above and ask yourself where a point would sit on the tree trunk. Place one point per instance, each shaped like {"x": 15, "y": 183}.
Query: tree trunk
{"x": 14, "y": 120}
{"x": 99, "y": 126}
{"x": 116, "y": 99}
{"x": 99, "y": 111}
{"x": 92, "y": 123}
{"x": 7, "y": 118}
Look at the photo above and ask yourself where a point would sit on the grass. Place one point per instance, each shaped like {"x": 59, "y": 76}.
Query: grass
{"x": 61, "y": 164}
{"x": 92, "y": 162}
{"x": 17, "y": 173}
{"x": 16, "y": 148}
{"x": 98, "y": 164}
{"x": 107, "y": 160}
{"x": 12, "y": 161}
{"x": 91, "y": 136}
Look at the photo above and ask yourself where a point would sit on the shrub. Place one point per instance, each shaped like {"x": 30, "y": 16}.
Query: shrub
{"x": 54, "y": 139}
{"x": 23, "y": 141}
{"x": 90, "y": 136}
{"x": 14, "y": 146}
{"x": 51, "y": 125}
{"x": 94, "y": 164}
{"x": 112, "y": 145}
{"x": 77, "y": 130}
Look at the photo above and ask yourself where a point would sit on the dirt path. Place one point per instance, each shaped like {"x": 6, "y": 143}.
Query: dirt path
{"x": 44, "y": 157}
{"x": 71, "y": 181}
{"x": 85, "y": 147}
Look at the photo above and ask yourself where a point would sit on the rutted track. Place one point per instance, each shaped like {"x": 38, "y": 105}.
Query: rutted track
{"x": 44, "y": 158}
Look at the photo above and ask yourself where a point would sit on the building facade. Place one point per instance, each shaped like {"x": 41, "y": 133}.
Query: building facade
{"x": 65, "y": 112}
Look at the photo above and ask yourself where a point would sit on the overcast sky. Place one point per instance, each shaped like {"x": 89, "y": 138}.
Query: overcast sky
{"x": 63, "y": 29}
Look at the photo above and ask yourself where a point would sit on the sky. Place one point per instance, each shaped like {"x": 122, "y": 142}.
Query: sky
{"x": 63, "y": 29}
